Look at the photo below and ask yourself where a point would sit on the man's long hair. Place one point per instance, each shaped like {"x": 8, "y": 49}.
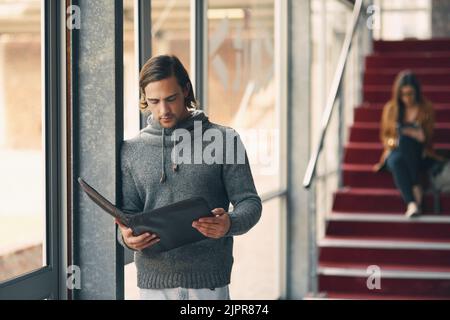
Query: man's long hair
{"x": 162, "y": 67}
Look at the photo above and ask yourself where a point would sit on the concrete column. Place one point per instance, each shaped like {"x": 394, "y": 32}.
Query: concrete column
{"x": 299, "y": 267}
{"x": 97, "y": 132}
{"x": 440, "y": 17}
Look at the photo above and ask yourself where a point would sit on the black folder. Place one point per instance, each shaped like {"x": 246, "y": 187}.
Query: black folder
{"x": 172, "y": 223}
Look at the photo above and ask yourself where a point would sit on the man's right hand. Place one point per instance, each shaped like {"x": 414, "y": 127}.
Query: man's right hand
{"x": 140, "y": 242}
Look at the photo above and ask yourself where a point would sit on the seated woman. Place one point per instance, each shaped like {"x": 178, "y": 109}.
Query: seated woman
{"x": 406, "y": 133}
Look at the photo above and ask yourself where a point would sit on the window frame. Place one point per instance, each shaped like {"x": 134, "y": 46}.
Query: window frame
{"x": 44, "y": 282}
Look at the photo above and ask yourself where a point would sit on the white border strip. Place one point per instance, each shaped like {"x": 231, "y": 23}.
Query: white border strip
{"x": 391, "y": 274}
{"x": 370, "y": 217}
{"x": 383, "y": 244}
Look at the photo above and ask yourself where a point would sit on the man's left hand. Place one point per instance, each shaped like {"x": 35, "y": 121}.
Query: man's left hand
{"x": 214, "y": 227}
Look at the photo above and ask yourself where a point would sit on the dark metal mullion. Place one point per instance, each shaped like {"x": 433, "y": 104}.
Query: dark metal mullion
{"x": 200, "y": 58}
{"x": 73, "y": 159}
{"x": 52, "y": 138}
{"x": 144, "y": 40}
{"x": 119, "y": 84}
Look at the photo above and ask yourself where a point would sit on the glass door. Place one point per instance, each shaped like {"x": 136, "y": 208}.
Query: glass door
{"x": 28, "y": 150}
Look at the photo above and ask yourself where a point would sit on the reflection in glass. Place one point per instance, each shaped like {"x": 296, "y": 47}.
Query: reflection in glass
{"x": 257, "y": 256}
{"x": 242, "y": 94}
{"x": 22, "y": 144}
{"x": 401, "y": 19}
{"x": 241, "y": 82}
{"x": 171, "y": 29}
{"x": 130, "y": 73}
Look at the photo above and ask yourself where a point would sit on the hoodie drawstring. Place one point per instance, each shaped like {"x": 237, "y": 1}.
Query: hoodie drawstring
{"x": 163, "y": 171}
{"x": 174, "y": 165}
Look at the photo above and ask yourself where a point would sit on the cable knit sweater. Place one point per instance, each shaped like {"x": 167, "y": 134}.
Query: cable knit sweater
{"x": 149, "y": 181}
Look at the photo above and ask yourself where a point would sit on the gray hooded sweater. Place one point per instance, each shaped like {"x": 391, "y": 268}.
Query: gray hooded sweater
{"x": 152, "y": 179}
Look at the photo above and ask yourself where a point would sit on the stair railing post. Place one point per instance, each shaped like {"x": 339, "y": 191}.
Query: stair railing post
{"x": 312, "y": 241}
{"x": 341, "y": 133}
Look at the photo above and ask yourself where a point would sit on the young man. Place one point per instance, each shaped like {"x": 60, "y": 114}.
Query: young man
{"x": 151, "y": 178}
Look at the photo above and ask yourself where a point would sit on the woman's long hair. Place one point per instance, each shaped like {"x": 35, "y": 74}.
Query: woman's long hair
{"x": 406, "y": 78}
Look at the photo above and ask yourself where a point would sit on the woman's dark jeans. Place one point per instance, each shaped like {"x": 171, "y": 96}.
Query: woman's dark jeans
{"x": 405, "y": 163}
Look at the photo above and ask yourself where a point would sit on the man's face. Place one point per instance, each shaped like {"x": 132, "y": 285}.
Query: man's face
{"x": 166, "y": 101}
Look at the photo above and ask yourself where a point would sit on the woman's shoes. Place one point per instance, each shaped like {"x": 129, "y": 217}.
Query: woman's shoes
{"x": 413, "y": 210}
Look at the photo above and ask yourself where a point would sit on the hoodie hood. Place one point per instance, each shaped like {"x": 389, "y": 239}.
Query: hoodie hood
{"x": 155, "y": 130}
{"x": 158, "y": 135}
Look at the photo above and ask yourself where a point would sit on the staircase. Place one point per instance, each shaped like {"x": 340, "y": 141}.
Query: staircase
{"x": 367, "y": 226}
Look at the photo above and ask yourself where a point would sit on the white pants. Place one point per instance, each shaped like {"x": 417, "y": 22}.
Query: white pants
{"x": 185, "y": 294}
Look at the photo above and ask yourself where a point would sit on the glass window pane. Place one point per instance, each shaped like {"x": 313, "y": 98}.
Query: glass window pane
{"x": 256, "y": 269}
{"x": 22, "y": 144}
{"x": 242, "y": 94}
{"x": 398, "y": 25}
{"x": 241, "y": 81}
{"x": 171, "y": 30}
{"x": 130, "y": 73}
{"x": 400, "y": 19}
{"x": 170, "y": 35}
{"x": 330, "y": 20}
{"x": 131, "y": 289}
{"x": 131, "y": 108}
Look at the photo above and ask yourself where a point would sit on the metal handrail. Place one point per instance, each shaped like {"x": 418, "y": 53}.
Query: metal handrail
{"x": 311, "y": 169}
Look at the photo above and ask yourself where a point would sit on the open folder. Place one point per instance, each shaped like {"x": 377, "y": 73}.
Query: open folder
{"x": 172, "y": 223}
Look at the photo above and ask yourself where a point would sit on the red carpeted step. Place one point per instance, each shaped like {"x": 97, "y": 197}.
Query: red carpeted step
{"x": 380, "y": 200}
{"x": 416, "y": 55}
{"x": 386, "y": 258}
{"x": 362, "y": 153}
{"x": 392, "y": 230}
{"x": 380, "y": 105}
{"x": 411, "y": 45}
{"x": 426, "y": 77}
{"x": 373, "y": 113}
{"x": 408, "y": 61}
{"x": 347, "y": 296}
{"x": 362, "y": 176}
{"x": 370, "y": 153}
{"x": 370, "y": 132}
{"x": 382, "y": 94}
{"x": 390, "y": 287}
